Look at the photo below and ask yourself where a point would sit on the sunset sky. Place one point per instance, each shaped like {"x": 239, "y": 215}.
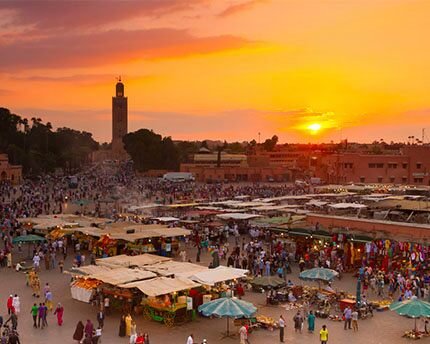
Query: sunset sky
{"x": 222, "y": 69}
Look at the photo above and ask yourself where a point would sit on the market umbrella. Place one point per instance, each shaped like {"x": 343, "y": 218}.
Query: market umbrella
{"x": 318, "y": 274}
{"x": 28, "y": 239}
{"x": 358, "y": 295}
{"x": 81, "y": 202}
{"x": 228, "y": 307}
{"x": 268, "y": 282}
{"x": 413, "y": 308}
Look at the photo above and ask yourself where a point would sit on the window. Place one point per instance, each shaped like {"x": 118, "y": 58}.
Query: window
{"x": 404, "y": 179}
{"x": 392, "y": 179}
{"x": 376, "y": 165}
{"x": 418, "y": 165}
{"x": 362, "y": 179}
{"x": 392, "y": 165}
{"x": 347, "y": 165}
{"x": 418, "y": 180}
{"x": 405, "y": 165}
{"x": 379, "y": 179}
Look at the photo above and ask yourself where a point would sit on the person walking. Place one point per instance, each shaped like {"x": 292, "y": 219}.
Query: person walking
{"x": 311, "y": 322}
{"x": 79, "y": 332}
{"x": 354, "y": 318}
{"x": 48, "y": 300}
{"x": 347, "y": 315}
{"x": 59, "y": 311}
{"x": 324, "y": 334}
{"x": 40, "y": 314}
{"x": 101, "y": 318}
{"x": 34, "y": 311}
{"x": 298, "y": 322}
{"x": 243, "y": 334}
{"x": 281, "y": 328}
{"x": 9, "y": 304}
{"x": 89, "y": 328}
{"x": 122, "y": 326}
{"x": 16, "y": 304}
{"x": 190, "y": 339}
{"x": 45, "y": 315}
{"x": 13, "y": 319}
{"x": 128, "y": 320}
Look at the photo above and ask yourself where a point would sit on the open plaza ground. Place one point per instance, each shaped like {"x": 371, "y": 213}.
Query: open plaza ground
{"x": 384, "y": 327}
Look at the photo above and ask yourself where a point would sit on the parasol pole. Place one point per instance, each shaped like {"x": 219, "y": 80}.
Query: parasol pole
{"x": 415, "y": 319}
{"x": 228, "y": 332}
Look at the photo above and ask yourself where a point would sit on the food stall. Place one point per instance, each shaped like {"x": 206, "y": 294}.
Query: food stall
{"x": 121, "y": 298}
{"x": 166, "y": 299}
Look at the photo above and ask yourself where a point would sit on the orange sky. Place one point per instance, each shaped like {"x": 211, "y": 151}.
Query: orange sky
{"x": 222, "y": 69}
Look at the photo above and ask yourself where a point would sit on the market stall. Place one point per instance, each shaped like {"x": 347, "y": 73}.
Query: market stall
{"x": 131, "y": 261}
{"x": 166, "y": 299}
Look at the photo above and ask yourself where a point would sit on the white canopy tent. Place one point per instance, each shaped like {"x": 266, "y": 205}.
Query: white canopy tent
{"x": 130, "y": 261}
{"x": 237, "y": 216}
{"x": 219, "y": 274}
{"x": 162, "y": 285}
{"x": 119, "y": 276}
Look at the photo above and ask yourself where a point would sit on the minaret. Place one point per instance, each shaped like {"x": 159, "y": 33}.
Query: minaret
{"x": 119, "y": 121}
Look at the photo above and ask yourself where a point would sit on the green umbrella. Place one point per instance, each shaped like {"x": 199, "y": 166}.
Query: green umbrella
{"x": 318, "y": 274}
{"x": 228, "y": 307}
{"x": 413, "y": 308}
{"x": 81, "y": 202}
{"x": 268, "y": 281}
{"x": 27, "y": 239}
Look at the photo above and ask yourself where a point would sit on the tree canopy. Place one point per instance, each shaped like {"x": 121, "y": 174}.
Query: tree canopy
{"x": 151, "y": 151}
{"x": 34, "y": 145}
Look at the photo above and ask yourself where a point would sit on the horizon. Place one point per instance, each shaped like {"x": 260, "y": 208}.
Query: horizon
{"x": 200, "y": 69}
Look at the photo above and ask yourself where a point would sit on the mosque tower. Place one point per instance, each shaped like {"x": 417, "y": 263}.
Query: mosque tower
{"x": 119, "y": 121}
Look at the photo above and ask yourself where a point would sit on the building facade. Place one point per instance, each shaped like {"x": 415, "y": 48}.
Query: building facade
{"x": 8, "y": 172}
{"x": 410, "y": 166}
{"x": 223, "y": 167}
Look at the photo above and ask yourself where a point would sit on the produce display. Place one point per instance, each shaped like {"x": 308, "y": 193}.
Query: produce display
{"x": 86, "y": 283}
{"x": 267, "y": 322}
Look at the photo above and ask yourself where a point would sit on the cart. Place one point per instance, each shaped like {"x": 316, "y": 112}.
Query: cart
{"x": 175, "y": 314}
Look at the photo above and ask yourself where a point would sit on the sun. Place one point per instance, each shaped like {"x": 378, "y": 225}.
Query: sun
{"x": 314, "y": 128}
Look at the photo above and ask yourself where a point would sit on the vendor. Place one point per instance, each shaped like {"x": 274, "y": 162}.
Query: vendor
{"x": 291, "y": 297}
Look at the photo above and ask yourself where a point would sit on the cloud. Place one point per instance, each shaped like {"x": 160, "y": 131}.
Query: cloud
{"x": 110, "y": 47}
{"x": 66, "y": 14}
{"x": 79, "y": 78}
{"x": 241, "y": 7}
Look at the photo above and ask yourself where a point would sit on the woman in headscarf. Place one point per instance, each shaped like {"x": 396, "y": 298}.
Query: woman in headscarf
{"x": 59, "y": 312}
{"x": 89, "y": 329}
{"x": 122, "y": 326}
{"x": 79, "y": 332}
{"x": 128, "y": 320}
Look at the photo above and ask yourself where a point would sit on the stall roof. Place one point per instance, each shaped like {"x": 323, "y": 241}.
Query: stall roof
{"x": 121, "y": 275}
{"x": 315, "y": 203}
{"x": 162, "y": 285}
{"x": 119, "y": 231}
{"x": 219, "y": 274}
{"x": 166, "y": 219}
{"x": 88, "y": 270}
{"x": 347, "y": 206}
{"x": 275, "y": 207}
{"x": 126, "y": 261}
{"x": 179, "y": 269}
{"x": 237, "y": 216}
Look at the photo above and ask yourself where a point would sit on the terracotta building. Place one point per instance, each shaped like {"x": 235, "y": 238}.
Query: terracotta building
{"x": 8, "y": 172}
{"x": 218, "y": 167}
{"x": 410, "y": 166}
